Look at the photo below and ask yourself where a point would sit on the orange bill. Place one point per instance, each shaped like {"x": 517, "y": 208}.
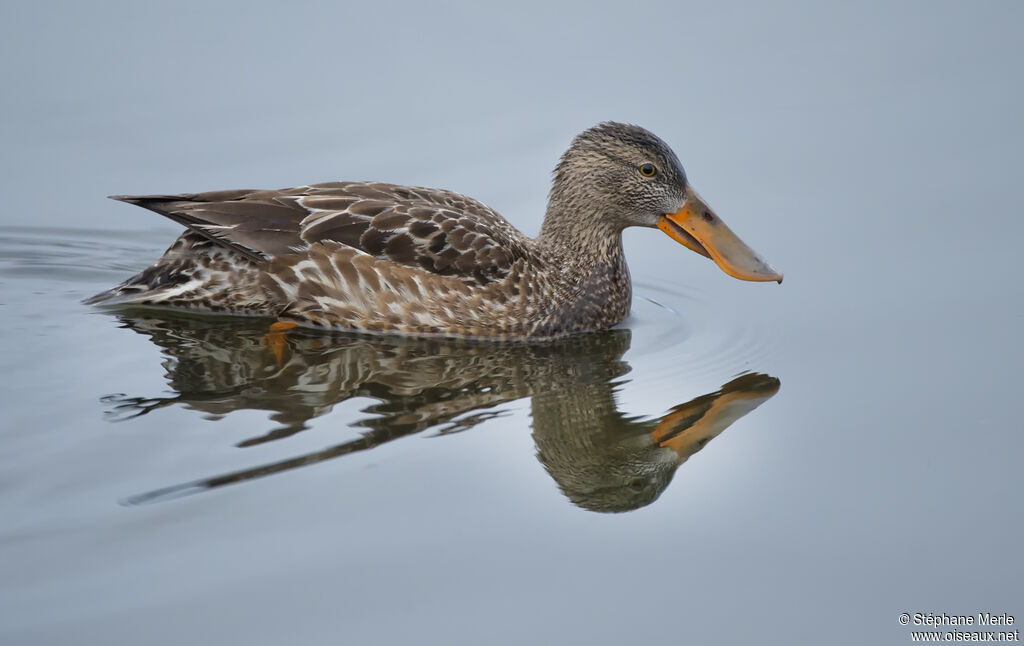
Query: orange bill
{"x": 698, "y": 228}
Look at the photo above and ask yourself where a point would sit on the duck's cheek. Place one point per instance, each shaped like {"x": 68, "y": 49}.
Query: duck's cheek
{"x": 640, "y": 219}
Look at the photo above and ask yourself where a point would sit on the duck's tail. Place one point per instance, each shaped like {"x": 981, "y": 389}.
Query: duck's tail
{"x": 193, "y": 274}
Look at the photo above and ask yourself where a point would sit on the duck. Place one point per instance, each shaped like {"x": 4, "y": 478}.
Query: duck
{"x": 379, "y": 258}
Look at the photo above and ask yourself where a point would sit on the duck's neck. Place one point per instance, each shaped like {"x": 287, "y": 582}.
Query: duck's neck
{"x": 580, "y": 233}
{"x": 591, "y": 266}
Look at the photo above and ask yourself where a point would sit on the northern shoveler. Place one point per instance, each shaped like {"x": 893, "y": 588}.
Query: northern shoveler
{"x": 374, "y": 257}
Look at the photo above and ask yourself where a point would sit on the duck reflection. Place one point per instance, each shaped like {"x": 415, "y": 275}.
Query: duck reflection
{"x": 601, "y": 459}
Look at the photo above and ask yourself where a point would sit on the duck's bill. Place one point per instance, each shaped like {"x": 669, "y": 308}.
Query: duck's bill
{"x": 698, "y": 228}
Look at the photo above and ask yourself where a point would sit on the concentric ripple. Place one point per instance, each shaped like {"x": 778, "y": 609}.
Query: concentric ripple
{"x": 682, "y": 330}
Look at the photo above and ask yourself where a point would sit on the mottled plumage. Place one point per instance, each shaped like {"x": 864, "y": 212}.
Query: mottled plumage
{"x": 377, "y": 257}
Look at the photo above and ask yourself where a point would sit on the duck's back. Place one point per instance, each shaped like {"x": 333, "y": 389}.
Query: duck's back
{"x": 288, "y": 252}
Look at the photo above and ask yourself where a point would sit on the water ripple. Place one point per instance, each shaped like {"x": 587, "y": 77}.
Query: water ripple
{"x": 77, "y": 255}
{"x": 679, "y": 329}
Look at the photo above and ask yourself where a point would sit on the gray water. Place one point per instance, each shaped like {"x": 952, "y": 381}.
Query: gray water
{"x": 736, "y": 463}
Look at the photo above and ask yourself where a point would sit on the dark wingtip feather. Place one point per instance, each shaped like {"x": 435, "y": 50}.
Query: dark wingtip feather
{"x": 148, "y": 199}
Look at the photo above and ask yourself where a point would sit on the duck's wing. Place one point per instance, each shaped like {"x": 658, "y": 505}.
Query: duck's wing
{"x": 433, "y": 230}
{"x": 256, "y": 224}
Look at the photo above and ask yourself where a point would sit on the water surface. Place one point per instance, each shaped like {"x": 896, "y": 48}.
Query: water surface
{"x": 736, "y": 463}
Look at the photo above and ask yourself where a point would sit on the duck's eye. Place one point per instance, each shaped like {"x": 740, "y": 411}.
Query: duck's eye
{"x": 648, "y": 170}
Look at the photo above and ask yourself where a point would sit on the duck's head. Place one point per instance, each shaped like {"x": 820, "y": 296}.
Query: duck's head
{"x": 621, "y": 175}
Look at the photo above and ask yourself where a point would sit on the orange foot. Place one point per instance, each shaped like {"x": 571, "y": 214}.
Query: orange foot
{"x": 276, "y": 339}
